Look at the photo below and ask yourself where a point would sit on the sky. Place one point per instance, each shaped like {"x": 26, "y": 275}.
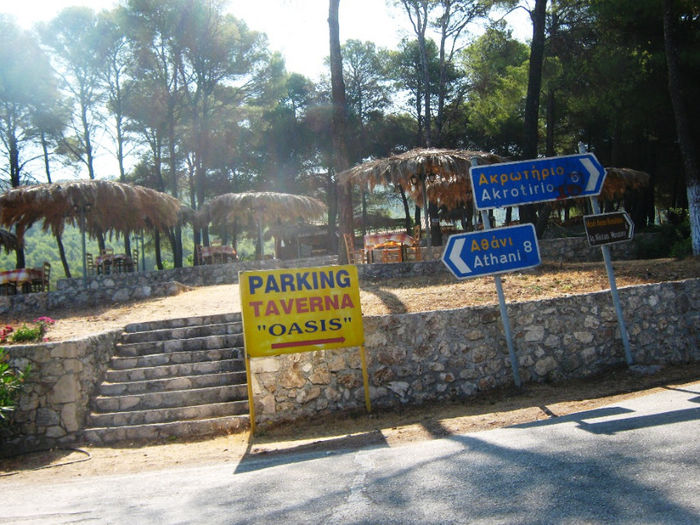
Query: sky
{"x": 296, "y": 28}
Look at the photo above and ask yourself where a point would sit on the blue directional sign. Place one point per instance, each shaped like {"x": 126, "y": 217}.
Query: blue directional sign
{"x": 494, "y": 251}
{"x": 537, "y": 180}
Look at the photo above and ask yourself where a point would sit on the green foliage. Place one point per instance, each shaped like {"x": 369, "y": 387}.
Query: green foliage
{"x": 26, "y": 334}
{"x": 496, "y": 66}
{"x": 33, "y": 333}
{"x": 11, "y": 380}
{"x": 670, "y": 240}
{"x": 40, "y": 246}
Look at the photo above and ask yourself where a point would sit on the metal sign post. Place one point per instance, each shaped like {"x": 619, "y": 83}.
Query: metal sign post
{"x": 613, "y": 286}
{"x": 295, "y": 310}
{"x": 613, "y": 291}
{"x": 504, "y": 313}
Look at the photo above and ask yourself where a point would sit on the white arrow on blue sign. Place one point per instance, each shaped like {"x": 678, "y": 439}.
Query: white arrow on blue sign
{"x": 487, "y": 252}
{"x": 537, "y": 180}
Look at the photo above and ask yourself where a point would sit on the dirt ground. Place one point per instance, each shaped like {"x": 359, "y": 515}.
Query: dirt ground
{"x": 388, "y": 428}
{"x": 417, "y": 294}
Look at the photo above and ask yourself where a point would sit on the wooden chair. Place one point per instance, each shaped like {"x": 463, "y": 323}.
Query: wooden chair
{"x": 414, "y": 252}
{"x": 416, "y": 233}
{"x": 42, "y": 284}
{"x": 107, "y": 251}
{"x": 134, "y": 259}
{"x": 358, "y": 256}
{"x": 89, "y": 264}
{"x": 392, "y": 255}
{"x": 8, "y": 289}
{"x": 198, "y": 254}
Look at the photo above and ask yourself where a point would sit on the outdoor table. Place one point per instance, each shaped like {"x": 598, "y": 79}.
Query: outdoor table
{"x": 108, "y": 263}
{"x": 375, "y": 253}
{"x": 218, "y": 254}
{"x": 378, "y": 241}
{"x": 22, "y": 278}
{"x": 373, "y": 239}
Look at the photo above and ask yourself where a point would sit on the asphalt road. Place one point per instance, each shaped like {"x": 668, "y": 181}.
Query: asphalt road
{"x": 633, "y": 462}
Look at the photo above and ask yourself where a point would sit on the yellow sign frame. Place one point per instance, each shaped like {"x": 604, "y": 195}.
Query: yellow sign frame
{"x": 296, "y": 310}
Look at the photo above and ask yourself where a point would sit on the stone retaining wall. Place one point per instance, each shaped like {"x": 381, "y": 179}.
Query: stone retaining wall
{"x": 412, "y": 358}
{"x": 432, "y": 356}
{"x": 56, "y": 395}
{"x": 121, "y": 288}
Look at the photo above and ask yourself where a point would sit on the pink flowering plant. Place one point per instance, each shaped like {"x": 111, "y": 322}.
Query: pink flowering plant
{"x": 5, "y": 333}
{"x": 27, "y": 333}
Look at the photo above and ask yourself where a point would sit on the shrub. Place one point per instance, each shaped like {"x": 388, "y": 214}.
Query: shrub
{"x": 11, "y": 380}
{"x": 672, "y": 240}
{"x": 28, "y": 334}
{"x": 25, "y": 334}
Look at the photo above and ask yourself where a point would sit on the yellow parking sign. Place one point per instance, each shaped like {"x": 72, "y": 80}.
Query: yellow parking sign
{"x": 300, "y": 309}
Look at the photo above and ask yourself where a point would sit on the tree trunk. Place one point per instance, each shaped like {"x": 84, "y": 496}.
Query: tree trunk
{"x": 47, "y": 169}
{"x": 549, "y": 141}
{"x": 332, "y": 196}
{"x": 683, "y": 130}
{"x": 340, "y": 153}
{"x": 534, "y": 80}
{"x": 62, "y": 254}
{"x": 122, "y": 171}
{"x": 435, "y": 232}
{"x": 176, "y": 237}
{"x": 156, "y": 244}
{"x": 406, "y": 210}
{"x": 19, "y": 232}
{"x": 532, "y": 102}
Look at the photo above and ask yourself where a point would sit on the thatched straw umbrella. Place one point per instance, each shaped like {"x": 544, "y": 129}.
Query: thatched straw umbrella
{"x": 294, "y": 231}
{"x": 440, "y": 174}
{"x": 263, "y": 206}
{"x": 619, "y": 180}
{"x": 377, "y": 221}
{"x": 96, "y": 206}
{"x": 8, "y": 240}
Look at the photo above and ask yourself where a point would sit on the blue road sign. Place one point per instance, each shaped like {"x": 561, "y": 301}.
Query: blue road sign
{"x": 494, "y": 251}
{"x": 537, "y": 180}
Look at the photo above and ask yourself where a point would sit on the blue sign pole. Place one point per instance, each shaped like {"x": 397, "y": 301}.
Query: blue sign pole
{"x": 536, "y": 180}
{"x": 514, "y": 365}
{"x": 494, "y": 251}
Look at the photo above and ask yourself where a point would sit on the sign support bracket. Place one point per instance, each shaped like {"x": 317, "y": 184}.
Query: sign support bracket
{"x": 365, "y": 378}
{"x": 613, "y": 291}
{"x": 611, "y": 279}
{"x": 504, "y": 311}
{"x": 251, "y": 401}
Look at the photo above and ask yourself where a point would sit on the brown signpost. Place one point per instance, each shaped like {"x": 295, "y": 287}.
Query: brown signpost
{"x": 608, "y": 228}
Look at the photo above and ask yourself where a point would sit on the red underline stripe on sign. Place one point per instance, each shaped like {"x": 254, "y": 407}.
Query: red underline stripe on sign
{"x": 307, "y": 343}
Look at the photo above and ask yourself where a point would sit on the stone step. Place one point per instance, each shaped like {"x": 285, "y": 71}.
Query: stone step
{"x": 172, "y": 383}
{"x": 174, "y": 398}
{"x": 182, "y": 369}
{"x": 174, "y": 358}
{"x": 147, "y": 326}
{"x": 187, "y": 332}
{"x": 180, "y": 345}
{"x": 177, "y": 429}
{"x": 167, "y": 415}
